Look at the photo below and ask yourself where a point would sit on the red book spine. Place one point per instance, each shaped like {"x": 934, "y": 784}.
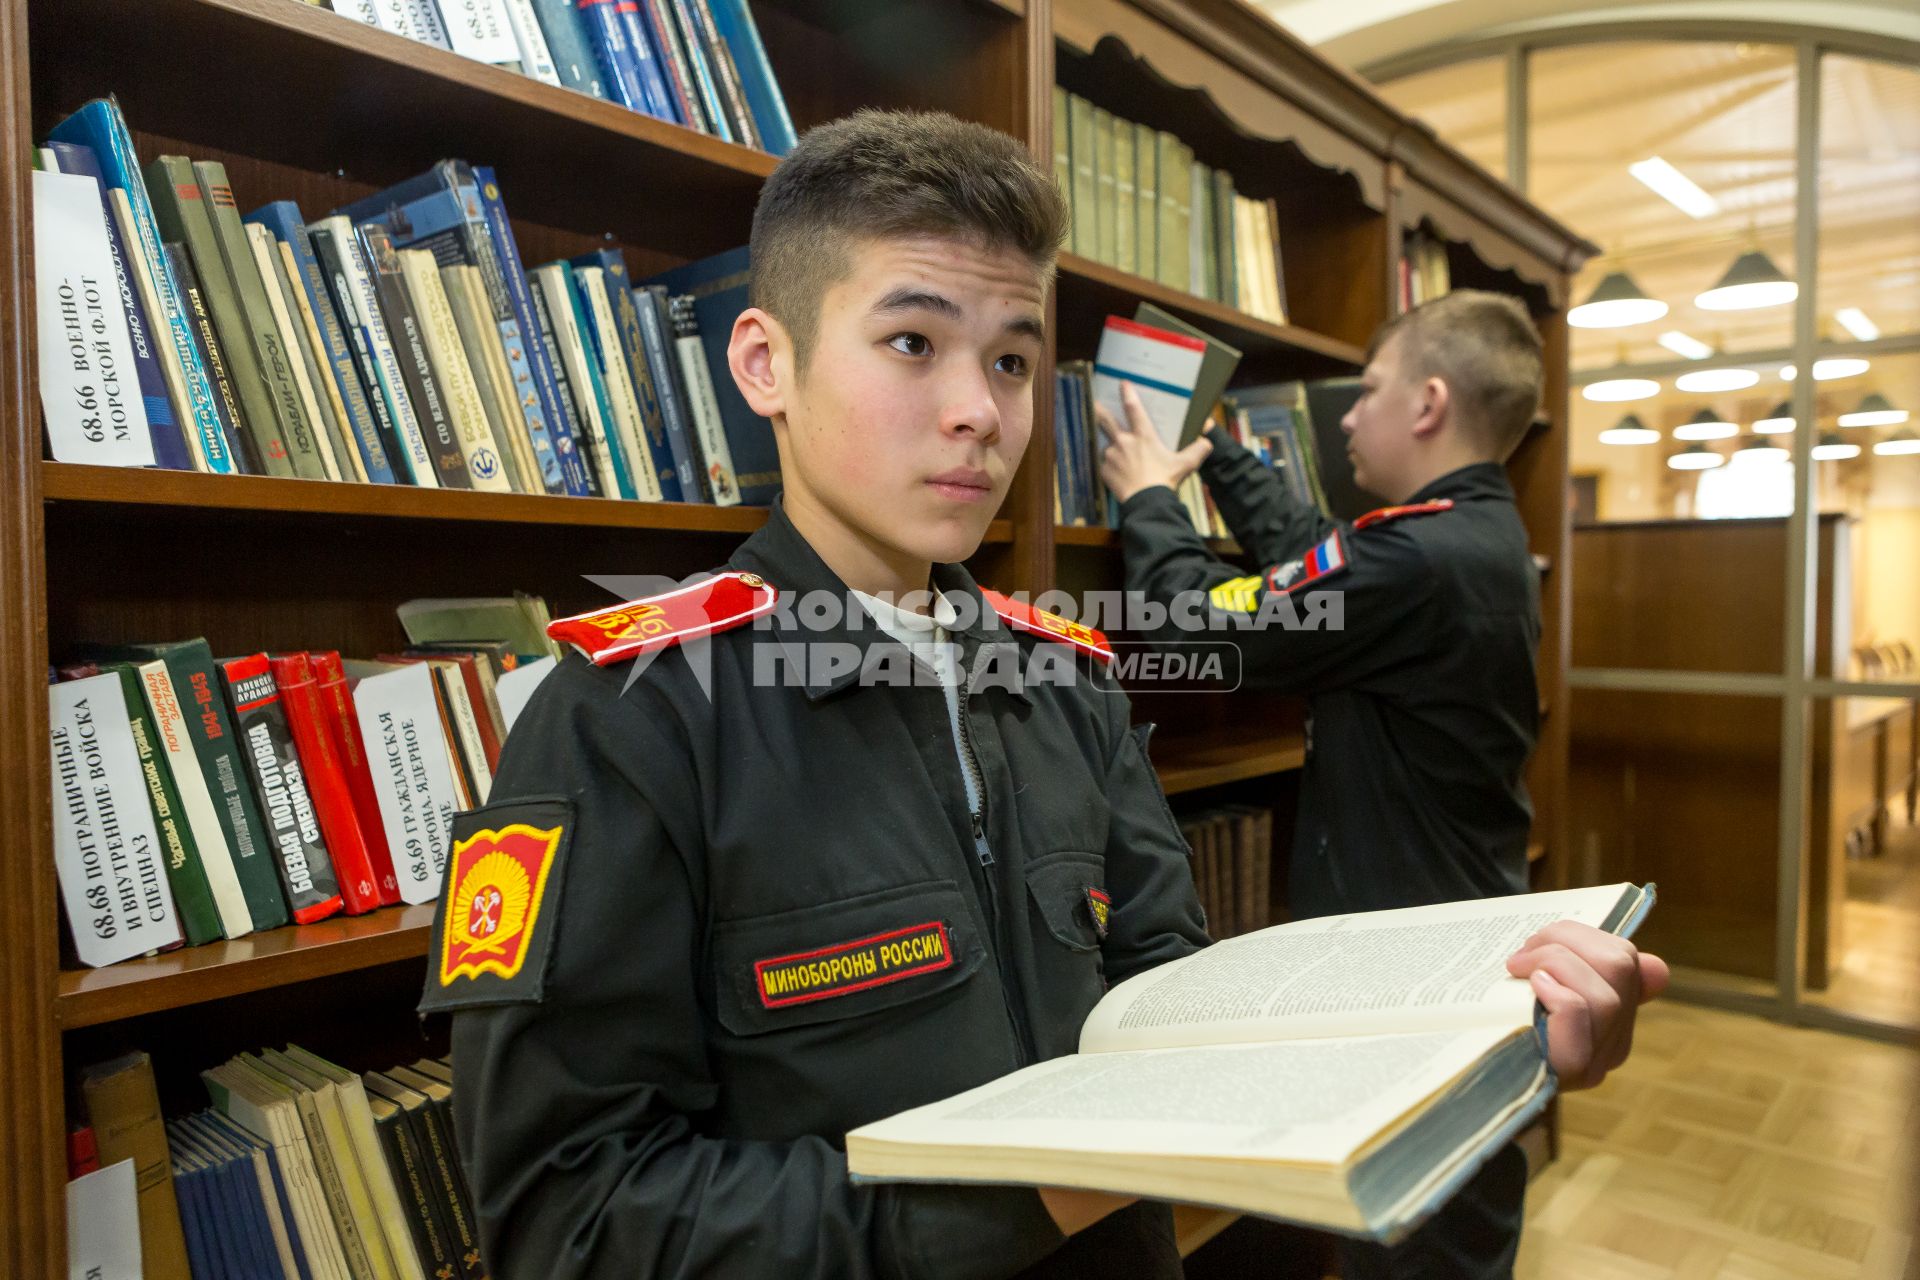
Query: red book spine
{"x": 330, "y": 678}
{"x": 326, "y": 783}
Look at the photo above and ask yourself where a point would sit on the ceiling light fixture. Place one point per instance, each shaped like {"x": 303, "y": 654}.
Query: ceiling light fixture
{"x": 1753, "y": 281}
{"x": 1754, "y": 449}
{"x": 1708, "y": 381}
{"x": 1778, "y": 422}
{"x": 1874, "y": 411}
{"x": 1833, "y": 447}
{"x": 1855, "y": 321}
{"x": 1704, "y": 425}
{"x": 1675, "y": 187}
{"x": 1695, "y": 457}
{"x": 1685, "y": 345}
{"x": 1900, "y": 442}
{"x": 1630, "y": 430}
{"x": 1615, "y": 303}
{"x": 1615, "y": 390}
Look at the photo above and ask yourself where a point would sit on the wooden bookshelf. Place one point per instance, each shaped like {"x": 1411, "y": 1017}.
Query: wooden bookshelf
{"x": 1069, "y": 535}
{"x": 307, "y": 105}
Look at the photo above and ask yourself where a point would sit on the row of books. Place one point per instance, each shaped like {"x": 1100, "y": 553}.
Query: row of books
{"x": 299, "y": 1170}
{"x": 1232, "y": 862}
{"x": 699, "y": 63}
{"x": 1142, "y": 203}
{"x": 199, "y": 798}
{"x": 1423, "y": 272}
{"x": 396, "y": 340}
{"x": 1295, "y": 428}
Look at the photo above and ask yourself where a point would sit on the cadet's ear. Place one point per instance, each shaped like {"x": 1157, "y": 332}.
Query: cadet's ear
{"x": 1434, "y": 405}
{"x": 760, "y": 357}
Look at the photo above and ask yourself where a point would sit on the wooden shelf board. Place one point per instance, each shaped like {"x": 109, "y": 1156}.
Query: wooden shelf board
{"x": 1074, "y": 535}
{"x": 136, "y": 486}
{"x": 194, "y": 975}
{"x": 1190, "y": 764}
{"x": 1111, "y": 289}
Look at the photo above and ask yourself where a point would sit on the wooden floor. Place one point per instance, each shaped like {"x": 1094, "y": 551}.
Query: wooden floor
{"x": 1879, "y": 969}
{"x": 1733, "y": 1148}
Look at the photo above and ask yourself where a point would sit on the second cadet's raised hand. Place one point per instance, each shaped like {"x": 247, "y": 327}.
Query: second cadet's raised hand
{"x": 1135, "y": 456}
{"x": 1591, "y": 984}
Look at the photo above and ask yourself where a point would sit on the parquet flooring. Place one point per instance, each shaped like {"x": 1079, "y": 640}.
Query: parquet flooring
{"x": 1733, "y": 1148}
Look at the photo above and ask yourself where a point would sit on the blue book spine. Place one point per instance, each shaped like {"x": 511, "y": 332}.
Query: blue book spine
{"x": 653, "y": 83}
{"x": 719, "y": 289}
{"x": 242, "y": 1137}
{"x": 734, "y": 20}
{"x": 186, "y": 1191}
{"x": 706, "y": 83}
{"x": 99, "y": 125}
{"x": 597, "y": 388}
{"x": 675, "y": 407}
{"x": 633, "y": 346}
{"x": 282, "y": 217}
{"x": 169, "y": 446}
{"x": 573, "y": 55}
{"x": 528, "y": 356}
{"x": 619, "y": 68}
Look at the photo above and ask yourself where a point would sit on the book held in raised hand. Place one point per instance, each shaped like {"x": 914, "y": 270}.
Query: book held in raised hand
{"x": 1348, "y": 1073}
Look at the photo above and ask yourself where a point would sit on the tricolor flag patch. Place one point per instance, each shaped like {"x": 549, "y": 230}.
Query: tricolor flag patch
{"x": 1327, "y": 558}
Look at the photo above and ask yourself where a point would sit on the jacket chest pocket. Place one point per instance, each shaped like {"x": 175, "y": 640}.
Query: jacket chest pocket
{"x": 1068, "y": 913}
{"x": 866, "y": 955}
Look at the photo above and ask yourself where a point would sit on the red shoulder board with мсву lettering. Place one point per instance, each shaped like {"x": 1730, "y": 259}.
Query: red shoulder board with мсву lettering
{"x": 1385, "y": 514}
{"x": 1024, "y": 617}
{"x": 703, "y": 608}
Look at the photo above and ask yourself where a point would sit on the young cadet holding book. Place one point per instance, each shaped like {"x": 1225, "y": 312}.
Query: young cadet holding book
{"x": 1423, "y": 706}
{"x": 740, "y": 888}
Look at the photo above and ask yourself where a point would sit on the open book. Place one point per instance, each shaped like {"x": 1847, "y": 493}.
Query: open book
{"x": 1347, "y": 1073}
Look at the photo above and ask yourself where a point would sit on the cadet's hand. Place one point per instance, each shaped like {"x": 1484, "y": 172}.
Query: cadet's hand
{"x": 1591, "y": 984}
{"x": 1075, "y": 1210}
{"x": 1137, "y": 458}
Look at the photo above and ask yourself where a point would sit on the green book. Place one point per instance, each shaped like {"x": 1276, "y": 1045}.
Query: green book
{"x": 1106, "y": 249}
{"x": 1170, "y": 260}
{"x": 196, "y": 682}
{"x": 192, "y": 896}
{"x": 180, "y": 211}
{"x": 1226, "y": 267}
{"x": 1086, "y": 217}
{"x": 270, "y": 347}
{"x": 1146, "y": 203}
{"x": 1063, "y": 157}
{"x": 1126, "y": 240}
{"x": 1204, "y": 265}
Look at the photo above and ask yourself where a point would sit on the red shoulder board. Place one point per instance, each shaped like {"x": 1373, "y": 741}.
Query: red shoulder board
{"x": 1024, "y": 617}
{"x": 1385, "y": 514}
{"x": 705, "y": 608}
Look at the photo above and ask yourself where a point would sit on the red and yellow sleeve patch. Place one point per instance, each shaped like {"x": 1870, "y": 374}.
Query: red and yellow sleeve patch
{"x": 704, "y": 608}
{"x": 847, "y": 967}
{"x": 1024, "y": 617}
{"x": 498, "y": 879}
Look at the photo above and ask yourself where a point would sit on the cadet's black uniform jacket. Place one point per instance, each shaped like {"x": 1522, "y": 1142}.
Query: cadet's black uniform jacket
{"x": 1423, "y": 708}
{"x": 662, "y": 1087}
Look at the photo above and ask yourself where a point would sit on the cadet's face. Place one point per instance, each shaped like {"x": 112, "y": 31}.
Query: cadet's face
{"x": 917, "y": 401}
{"x": 1379, "y": 427}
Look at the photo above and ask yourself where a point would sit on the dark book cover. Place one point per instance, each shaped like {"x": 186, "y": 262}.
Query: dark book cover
{"x": 607, "y": 32}
{"x": 726, "y": 77}
{"x": 549, "y": 342}
{"x": 1328, "y": 401}
{"x": 180, "y": 212}
{"x": 200, "y": 331}
{"x": 656, "y": 331}
{"x": 409, "y": 1173}
{"x": 646, "y": 60}
{"x": 327, "y": 255}
{"x": 416, "y": 366}
{"x": 192, "y": 896}
{"x": 439, "y": 1167}
{"x": 573, "y": 55}
{"x": 273, "y": 762}
{"x": 440, "y": 1128}
{"x": 719, "y": 289}
{"x": 717, "y": 122}
{"x": 657, "y": 15}
{"x": 247, "y": 1140}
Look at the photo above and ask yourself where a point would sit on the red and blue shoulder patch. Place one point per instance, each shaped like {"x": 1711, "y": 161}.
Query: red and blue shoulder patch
{"x": 1385, "y": 514}
{"x": 704, "y": 608}
{"x": 1325, "y": 559}
{"x": 1024, "y": 617}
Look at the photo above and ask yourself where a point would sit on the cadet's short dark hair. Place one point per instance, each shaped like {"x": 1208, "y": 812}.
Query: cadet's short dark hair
{"x": 880, "y": 174}
{"x": 1485, "y": 348}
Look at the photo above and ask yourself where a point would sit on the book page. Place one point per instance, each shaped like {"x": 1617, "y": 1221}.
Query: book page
{"x": 1417, "y": 969}
{"x": 1307, "y": 1101}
